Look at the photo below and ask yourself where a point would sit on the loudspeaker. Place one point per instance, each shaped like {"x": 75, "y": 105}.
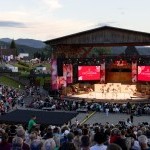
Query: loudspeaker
{"x": 59, "y": 67}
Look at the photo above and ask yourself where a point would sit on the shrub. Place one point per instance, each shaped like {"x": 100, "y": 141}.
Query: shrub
{"x": 23, "y": 64}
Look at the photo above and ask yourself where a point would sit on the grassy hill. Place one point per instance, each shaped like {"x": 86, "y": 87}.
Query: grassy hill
{"x": 10, "y": 82}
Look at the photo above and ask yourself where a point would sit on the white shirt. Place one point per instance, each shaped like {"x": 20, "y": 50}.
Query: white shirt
{"x": 98, "y": 147}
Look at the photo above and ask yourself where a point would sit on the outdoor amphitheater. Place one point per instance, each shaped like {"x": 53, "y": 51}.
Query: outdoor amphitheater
{"x": 100, "y": 97}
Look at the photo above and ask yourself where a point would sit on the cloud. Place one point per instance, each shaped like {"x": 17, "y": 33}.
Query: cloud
{"x": 52, "y": 4}
{"x": 12, "y": 24}
{"x": 121, "y": 11}
{"x": 47, "y": 30}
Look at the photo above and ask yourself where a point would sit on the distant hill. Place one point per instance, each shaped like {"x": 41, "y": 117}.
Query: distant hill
{"x": 22, "y": 48}
{"x": 144, "y": 50}
{"x": 27, "y": 42}
{"x": 6, "y": 40}
{"x": 118, "y": 50}
{"x": 141, "y": 50}
{"x": 31, "y": 46}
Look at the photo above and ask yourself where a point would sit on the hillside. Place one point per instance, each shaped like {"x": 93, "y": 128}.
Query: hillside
{"x": 27, "y": 42}
{"x": 22, "y": 48}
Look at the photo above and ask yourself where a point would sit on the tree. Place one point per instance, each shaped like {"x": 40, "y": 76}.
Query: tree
{"x": 13, "y": 46}
{"x": 47, "y": 51}
{"x": 37, "y": 55}
{"x": 42, "y": 56}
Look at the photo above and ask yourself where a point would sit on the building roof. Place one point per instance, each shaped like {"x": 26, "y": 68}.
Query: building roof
{"x": 103, "y": 36}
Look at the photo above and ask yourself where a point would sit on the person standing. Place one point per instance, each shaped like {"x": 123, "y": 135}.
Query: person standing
{"x": 107, "y": 110}
{"x": 131, "y": 118}
{"x": 32, "y": 123}
{"x": 129, "y": 108}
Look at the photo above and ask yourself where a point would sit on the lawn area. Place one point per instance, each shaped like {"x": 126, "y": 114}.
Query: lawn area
{"x": 24, "y": 74}
{"x": 47, "y": 65}
{"x": 19, "y": 65}
{"x": 42, "y": 80}
{"x": 9, "y": 82}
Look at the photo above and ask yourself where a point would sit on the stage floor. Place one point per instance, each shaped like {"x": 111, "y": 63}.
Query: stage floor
{"x": 108, "y": 96}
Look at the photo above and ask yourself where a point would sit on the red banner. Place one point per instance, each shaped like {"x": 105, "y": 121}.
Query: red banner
{"x": 54, "y": 83}
{"x": 102, "y": 79}
{"x": 134, "y": 72}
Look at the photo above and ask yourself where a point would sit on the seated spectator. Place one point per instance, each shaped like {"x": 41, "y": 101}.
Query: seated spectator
{"x": 68, "y": 146}
{"x": 143, "y": 142}
{"x": 121, "y": 141}
{"x": 76, "y": 139}
{"x": 20, "y": 132}
{"x": 69, "y": 141}
{"x": 56, "y": 137}
{"x": 49, "y": 144}
{"x": 36, "y": 145}
{"x": 114, "y": 146}
{"x": 17, "y": 143}
{"x": 4, "y": 145}
{"x": 85, "y": 142}
{"x": 115, "y": 134}
{"x": 100, "y": 139}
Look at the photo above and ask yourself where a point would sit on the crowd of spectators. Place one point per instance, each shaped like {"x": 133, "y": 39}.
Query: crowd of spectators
{"x": 9, "y": 98}
{"x": 74, "y": 137}
{"x": 38, "y": 102}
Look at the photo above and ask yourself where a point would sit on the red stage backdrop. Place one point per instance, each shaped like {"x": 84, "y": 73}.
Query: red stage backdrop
{"x": 61, "y": 82}
{"x": 67, "y": 76}
{"x": 144, "y": 73}
{"x": 134, "y": 72}
{"x": 54, "y": 84}
{"x": 120, "y": 63}
{"x": 69, "y": 73}
{"x": 86, "y": 73}
{"x": 102, "y": 79}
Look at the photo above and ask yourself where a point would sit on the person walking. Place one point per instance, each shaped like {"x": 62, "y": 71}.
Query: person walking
{"x": 32, "y": 123}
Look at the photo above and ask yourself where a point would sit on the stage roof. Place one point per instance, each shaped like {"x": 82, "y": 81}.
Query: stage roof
{"x": 104, "y": 36}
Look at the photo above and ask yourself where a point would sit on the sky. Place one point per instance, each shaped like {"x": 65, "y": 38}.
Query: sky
{"x": 48, "y": 19}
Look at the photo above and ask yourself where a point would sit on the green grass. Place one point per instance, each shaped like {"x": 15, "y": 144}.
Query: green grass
{"x": 9, "y": 82}
{"x": 18, "y": 65}
{"x": 47, "y": 65}
{"x": 24, "y": 73}
{"x": 42, "y": 80}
